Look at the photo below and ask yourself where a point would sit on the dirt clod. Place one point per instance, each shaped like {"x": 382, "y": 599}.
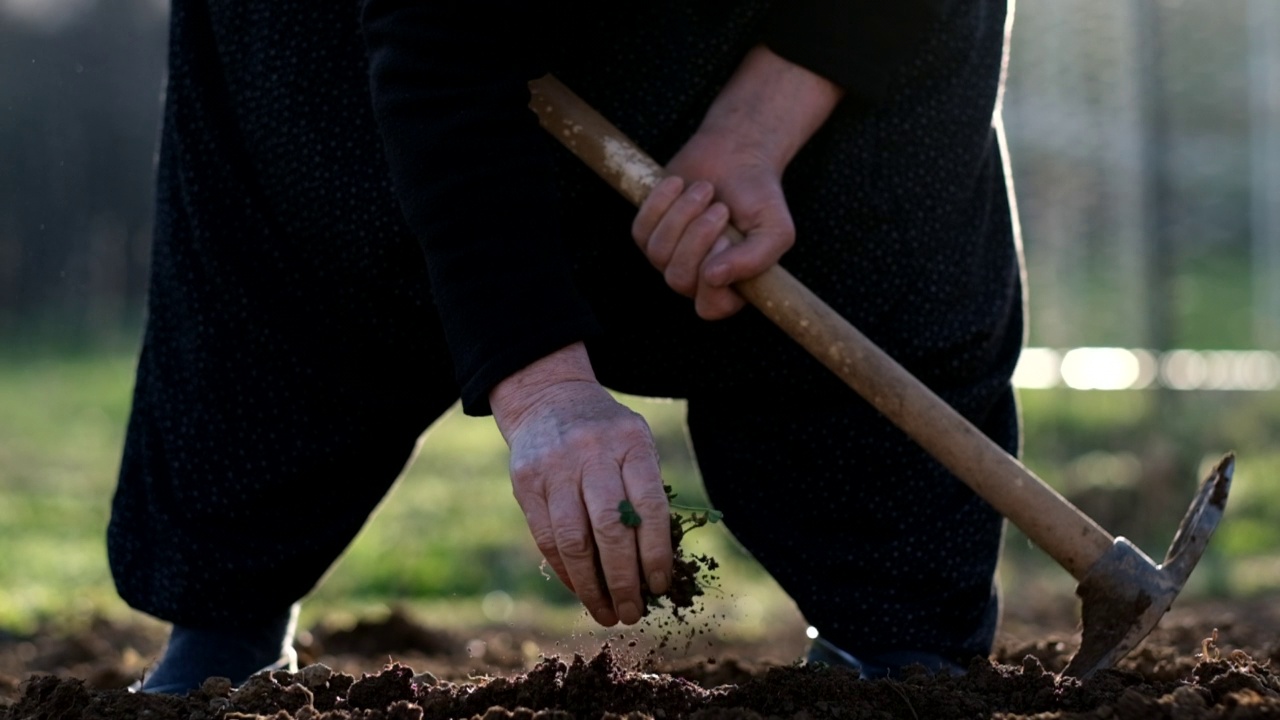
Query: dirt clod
{"x": 264, "y": 695}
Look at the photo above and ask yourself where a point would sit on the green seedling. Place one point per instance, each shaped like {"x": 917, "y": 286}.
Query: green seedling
{"x": 701, "y": 515}
{"x": 698, "y": 516}
{"x": 689, "y": 573}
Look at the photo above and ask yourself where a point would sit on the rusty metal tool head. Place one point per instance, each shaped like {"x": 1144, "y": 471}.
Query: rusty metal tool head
{"x": 1124, "y": 593}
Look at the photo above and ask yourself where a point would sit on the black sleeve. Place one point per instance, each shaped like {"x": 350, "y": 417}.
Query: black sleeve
{"x": 472, "y": 172}
{"x": 857, "y": 44}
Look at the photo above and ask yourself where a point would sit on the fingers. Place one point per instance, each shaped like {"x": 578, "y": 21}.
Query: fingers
{"x": 654, "y": 207}
{"x": 575, "y": 539}
{"x": 676, "y": 227}
{"x": 643, "y": 485}
{"x": 681, "y": 229}
{"x": 727, "y": 263}
{"x": 686, "y": 246}
{"x": 630, "y": 557}
{"x": 602, "y": 491}
{"x": 716, "y": 301}
{"x": 766, "y": 240}
{"x": 539, "y": 520}
{"x": 562, "y": 530}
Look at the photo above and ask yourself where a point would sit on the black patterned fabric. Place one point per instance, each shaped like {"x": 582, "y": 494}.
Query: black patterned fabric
{"x": 359, "y": 222}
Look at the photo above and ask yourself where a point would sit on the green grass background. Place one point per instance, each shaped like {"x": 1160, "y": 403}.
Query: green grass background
{"x": 451, "y": 537}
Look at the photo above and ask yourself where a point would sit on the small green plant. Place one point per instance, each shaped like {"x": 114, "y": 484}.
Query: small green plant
{"x": 698, "y": 516}
{"x": 688, "y": 571}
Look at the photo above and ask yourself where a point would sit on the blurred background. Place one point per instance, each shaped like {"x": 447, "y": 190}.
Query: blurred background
{"x": 1144, "y": 140}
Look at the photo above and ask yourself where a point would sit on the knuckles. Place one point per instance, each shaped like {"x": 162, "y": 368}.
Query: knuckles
{"x": 574, "y": 544}
{"x": 680, "y": 280}
{"x": 718, "y": 305}
{"x": 526, "y": 478}
{"x": 624, "y": 589}
{"x": 626, "y": 427}
{"x": 614, "y": 435}
{"x": 610, "y": 534}
{"x": 650, "y": 505}
{"x": 705, "y": 228}
{"x": 545, "y": 540}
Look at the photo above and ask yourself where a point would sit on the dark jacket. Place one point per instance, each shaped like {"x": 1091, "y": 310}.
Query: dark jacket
{"x": 294, "y": 120}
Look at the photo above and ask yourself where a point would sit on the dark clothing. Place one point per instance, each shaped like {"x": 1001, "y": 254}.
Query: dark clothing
{"x": 298, "y": 344}
{"x": 473, "y": 170}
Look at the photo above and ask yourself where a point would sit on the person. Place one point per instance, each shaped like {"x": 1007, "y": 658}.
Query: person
{"x": 360, "y": 223}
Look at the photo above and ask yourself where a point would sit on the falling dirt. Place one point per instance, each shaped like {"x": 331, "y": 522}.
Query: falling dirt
{"x": 691, "y": 573}
{"x": 398, "y": 668}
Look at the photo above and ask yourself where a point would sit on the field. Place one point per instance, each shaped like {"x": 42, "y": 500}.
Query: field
{"x": 467, "y": 603}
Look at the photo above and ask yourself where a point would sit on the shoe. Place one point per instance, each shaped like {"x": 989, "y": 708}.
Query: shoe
{"x": 194, "y": 655}
{"x": 288, "y": 662}
{"x": 884, "y": 665}
{"x": 821, "y": 651}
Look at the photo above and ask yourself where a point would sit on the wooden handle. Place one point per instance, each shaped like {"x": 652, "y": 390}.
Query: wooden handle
{"x": 1053, "y": 523}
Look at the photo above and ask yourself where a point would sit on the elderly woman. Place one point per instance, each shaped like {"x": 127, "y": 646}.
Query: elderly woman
{"x": 360, "y": 222}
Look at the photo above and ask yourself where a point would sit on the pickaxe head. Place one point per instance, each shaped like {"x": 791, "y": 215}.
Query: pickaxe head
{"x": 1125, "y": 593}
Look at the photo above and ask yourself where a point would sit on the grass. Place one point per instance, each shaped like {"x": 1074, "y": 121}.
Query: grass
{"x": 450, "y": 539}
{"x": 61, "y": 426}
{"x": 448, "y": 536}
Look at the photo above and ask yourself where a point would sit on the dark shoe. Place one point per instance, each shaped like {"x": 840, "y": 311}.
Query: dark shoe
{"x": 824, "y": 652}
{"x": 193, "y": 655}
{"x": 890, "y": 664}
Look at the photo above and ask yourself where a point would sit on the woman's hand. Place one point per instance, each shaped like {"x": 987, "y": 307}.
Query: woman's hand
{"x": 730, "y": 172}
{"x": 576, "y": 453}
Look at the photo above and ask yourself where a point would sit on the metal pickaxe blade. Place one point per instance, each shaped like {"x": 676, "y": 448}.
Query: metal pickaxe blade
{"x": 1124, "y": 593}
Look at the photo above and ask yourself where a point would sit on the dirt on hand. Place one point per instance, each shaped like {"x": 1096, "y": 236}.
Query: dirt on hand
{"x": 691, "y": 574}
{"x": 1182, "y": 671}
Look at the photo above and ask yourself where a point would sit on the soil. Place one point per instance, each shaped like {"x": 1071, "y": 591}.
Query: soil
{"x": 691, "y": 573}
{"x": 398, "y": 668}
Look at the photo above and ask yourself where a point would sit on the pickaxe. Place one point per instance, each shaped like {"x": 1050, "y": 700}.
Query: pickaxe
{"x": 1123, "y": 592}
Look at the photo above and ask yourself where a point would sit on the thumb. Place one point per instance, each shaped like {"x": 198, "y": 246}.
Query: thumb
{"x": 730, "y": 262}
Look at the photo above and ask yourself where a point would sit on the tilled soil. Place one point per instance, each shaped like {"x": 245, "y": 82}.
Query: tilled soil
{"x": 399, "y": 669}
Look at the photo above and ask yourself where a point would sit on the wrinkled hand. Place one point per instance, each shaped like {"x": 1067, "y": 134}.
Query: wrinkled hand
{"x": 576, "y": 453}
{"x": 730, "y": 171}
{"x": 681, "y": 224}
